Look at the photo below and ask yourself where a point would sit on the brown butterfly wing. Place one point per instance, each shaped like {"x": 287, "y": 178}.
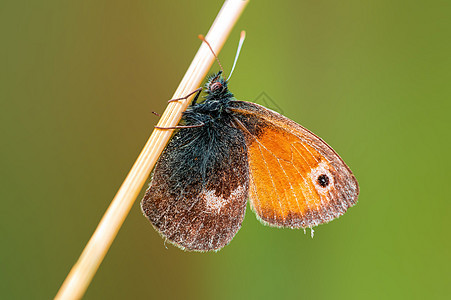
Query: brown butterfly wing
{"x": 296, "y": 179}
{"x": 199, "y": 189}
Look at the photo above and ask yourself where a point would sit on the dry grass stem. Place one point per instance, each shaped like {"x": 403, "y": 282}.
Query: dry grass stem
{"x": 83, "y": 271}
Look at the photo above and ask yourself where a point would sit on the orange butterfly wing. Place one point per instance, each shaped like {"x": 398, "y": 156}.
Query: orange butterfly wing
{"x": 296, "y": 179}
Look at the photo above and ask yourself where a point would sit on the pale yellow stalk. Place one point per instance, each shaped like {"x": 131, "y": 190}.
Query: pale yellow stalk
{"x": 83, "y": 271}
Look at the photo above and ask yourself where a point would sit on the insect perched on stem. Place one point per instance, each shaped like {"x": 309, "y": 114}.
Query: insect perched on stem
{"x": 226, "y": 151}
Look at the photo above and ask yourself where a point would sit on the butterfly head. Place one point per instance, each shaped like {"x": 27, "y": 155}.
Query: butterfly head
{"x": 216, "y": 88}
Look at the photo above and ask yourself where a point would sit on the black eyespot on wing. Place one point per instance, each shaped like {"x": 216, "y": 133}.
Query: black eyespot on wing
{"x": 323, "y": 180}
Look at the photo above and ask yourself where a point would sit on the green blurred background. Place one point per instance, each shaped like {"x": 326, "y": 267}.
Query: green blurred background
{"x": 78, "y": 83}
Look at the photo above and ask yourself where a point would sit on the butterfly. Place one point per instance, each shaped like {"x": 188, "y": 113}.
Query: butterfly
{"x": 225, "y": 152}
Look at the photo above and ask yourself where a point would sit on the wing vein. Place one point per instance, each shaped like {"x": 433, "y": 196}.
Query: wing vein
{"x": 272, "y": 181}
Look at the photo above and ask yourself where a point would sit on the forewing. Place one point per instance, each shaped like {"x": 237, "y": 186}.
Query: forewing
{"x": 198, "y": 193}
{"x": 296, "y": 179}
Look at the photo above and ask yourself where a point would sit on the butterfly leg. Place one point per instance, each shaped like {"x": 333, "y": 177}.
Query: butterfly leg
{"x": 197, "y": 92}
{"x": 181, "y": 127}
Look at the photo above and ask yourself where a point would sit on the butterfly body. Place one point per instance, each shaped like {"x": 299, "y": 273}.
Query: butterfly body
{"x": 204, "y": 177}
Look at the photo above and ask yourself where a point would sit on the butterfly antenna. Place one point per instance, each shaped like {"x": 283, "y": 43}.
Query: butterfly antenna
{"x": 200, "y": 36}
{"x": 240, "y": 44}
